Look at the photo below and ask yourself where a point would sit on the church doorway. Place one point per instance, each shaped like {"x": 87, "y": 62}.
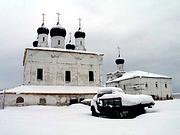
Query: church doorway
{"x": 73, "y": 101}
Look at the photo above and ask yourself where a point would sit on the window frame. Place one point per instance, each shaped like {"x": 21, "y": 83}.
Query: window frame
{"x": 67, "y": 76}
{"x": 59, "y": 42}
{"x": 146, "y": 85}
{"x": 156, "y": 84}
{"x": 39, "y": 74}
{"x": 165, "y": 85}
{"x": 81, "y": 43}
{"x": 42, "y": 101}
{"x": 19, "y": 100}
{"x": 124, "y": 87}
{"x": 91, "y": 76}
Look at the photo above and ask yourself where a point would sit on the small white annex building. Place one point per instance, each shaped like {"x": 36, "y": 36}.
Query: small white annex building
{"x": 140, "y": 82}
{"x": 48, "y": 95}
{"x": 59, "y": 73}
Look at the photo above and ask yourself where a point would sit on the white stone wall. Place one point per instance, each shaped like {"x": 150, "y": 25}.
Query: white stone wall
{"x": 1, "y": 100}
{"x": 80, "y": 44}
{"x": 138, "y": 86}
{"x": 34, "y": 99}
{"x": 42, "y": 43}
{"x": 54, "y": 42}
{"x": 120, "y": 67}
{"x": 55, "y": 63}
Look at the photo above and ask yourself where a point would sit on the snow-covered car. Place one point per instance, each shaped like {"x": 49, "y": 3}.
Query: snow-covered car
{"x": 112, "y": 102}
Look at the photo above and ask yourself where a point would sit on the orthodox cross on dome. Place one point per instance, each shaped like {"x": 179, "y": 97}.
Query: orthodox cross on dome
{"x": 43, "y": 18}
{"x": 58, "y": 18}
{"x": 80, "y": 23}
{"x": 70, "y": 37}
{"x": 118, "y": 51}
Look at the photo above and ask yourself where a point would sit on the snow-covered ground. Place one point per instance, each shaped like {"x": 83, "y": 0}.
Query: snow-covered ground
{"x": 163, "y": 119}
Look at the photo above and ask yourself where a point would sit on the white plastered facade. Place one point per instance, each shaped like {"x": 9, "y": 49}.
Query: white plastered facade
{"x": 55, "y": 63}
{"x": 160, "y": 87}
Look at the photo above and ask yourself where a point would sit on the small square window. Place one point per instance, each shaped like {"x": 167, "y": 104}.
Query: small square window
{"x": 42, "y": 101}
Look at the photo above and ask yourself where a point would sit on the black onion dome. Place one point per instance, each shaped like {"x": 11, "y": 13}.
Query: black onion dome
{"x": 43, "y": 30}
{"x": 79, "y": 34}
{"x": 58, "y": 31}
{"x": 119, "y": 61}
{"x": 70, "y": 46}
{"x": 35, "y": 43}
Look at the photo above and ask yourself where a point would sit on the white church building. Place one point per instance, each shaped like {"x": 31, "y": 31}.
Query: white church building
{"x": 140, "y": 82}
{"x": 63, "y": 74}
{"x": 59, "y": 73}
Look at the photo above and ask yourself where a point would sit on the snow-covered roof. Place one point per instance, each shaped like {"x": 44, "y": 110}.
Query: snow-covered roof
{"x": 63, "y": 50}
{"x": 54, "y": 89}
{"x": 60, "y": 50}
{"x": 133, "y": 74}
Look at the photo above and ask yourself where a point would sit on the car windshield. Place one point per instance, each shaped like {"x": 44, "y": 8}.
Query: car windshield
{"x": 111, "y": 102}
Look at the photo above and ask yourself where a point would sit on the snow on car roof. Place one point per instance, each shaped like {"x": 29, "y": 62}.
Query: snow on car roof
{"x": 109, "y": 90}
{"x": 137, "y": 73}
{"x": 128, "y": 100}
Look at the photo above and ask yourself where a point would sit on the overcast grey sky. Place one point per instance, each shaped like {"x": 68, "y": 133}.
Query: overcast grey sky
{"x": 147, "y": 31}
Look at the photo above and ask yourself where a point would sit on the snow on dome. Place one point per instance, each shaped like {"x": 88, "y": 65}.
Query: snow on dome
{"x": 119, "y": 61}
{"x": 70, "y": 46}
{"x": 133, "y": 74}
{"x": 58, "y": 31}
{"x": 35, "y": 43}
{"x": 79, "y": 34}
{"x": 43, "y": 30}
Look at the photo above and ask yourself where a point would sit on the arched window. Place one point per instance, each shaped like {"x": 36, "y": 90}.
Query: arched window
{"x": 43, "y": 39}
{"x": 20, "y": 100}
{"x": 146, "y": 85}
{"x": 59, "y": 42}
{"x": 156, "y": 85}
{"x": 42, "y": 101}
